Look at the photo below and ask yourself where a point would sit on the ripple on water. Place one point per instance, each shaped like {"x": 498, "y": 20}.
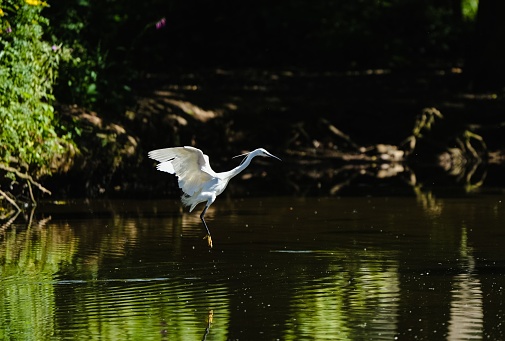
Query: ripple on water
{"x": 356, "y": 296}
{"x": 121, "y": 308}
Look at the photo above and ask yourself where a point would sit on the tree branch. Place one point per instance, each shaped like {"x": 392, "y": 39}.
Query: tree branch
{"x": 26, "y": 177}
{"x": 12, "y": 202}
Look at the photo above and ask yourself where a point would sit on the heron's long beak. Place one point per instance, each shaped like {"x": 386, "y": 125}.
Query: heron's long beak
{"x": 272, "y": 155}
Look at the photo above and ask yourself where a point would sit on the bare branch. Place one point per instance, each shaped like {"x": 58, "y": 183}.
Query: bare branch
{"x": 9, "y": 199}
{"x": 26, "y": 177}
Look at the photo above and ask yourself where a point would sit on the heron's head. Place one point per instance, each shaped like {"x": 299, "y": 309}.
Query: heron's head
{"x": 264, "y": 152}
{"x": 258, "y": 152}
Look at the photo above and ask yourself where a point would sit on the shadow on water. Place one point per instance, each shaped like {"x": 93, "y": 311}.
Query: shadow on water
{"x": 282, "y": 268}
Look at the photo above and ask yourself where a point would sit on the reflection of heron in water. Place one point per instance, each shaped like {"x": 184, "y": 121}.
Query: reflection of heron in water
{"x": 196, "y": 178}
{"x": 209, "y": 319}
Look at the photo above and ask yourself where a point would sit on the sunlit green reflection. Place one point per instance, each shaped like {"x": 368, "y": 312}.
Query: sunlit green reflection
{"x": 467, "y": 315}
{"x": 54, "y": 284}
{"x": 141, "y": 311}
{"x": 362, "y": 295}
{"x": 28, "y": 260}
{"x": 353, "y": 269}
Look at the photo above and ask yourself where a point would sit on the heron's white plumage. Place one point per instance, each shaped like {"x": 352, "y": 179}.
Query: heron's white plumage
{"x": 189, "y": 164}
{"x": 166, "y": 167}
{"x": 196, "y": 178}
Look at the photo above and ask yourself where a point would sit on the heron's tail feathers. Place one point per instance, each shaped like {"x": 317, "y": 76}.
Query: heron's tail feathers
{"x": 186, "y": 201}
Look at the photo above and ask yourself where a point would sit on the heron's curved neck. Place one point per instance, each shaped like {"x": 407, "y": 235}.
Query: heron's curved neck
{"x": 230, "y": 174}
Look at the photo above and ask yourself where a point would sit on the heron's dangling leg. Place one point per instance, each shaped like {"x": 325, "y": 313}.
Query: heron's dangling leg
{"x": 203, "y": 220}
{"x": 209, "y": 238}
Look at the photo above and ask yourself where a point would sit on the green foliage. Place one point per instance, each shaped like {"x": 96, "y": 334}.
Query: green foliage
{"x": 28, "y": 68}
{"x": 98, "y": 75}
{"x": 469, "y": 8}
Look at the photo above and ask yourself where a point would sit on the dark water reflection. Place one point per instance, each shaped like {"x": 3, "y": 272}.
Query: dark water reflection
{"x": 282, "y": 268}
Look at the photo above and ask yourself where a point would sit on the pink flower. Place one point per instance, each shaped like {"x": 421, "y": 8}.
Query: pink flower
{"x": 160, "y": 24}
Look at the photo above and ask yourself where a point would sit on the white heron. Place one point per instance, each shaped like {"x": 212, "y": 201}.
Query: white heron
{"x": 199, "y": 183}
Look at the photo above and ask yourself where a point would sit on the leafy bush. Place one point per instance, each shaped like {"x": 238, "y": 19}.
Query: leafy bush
{"x": 98, "y": 75}
{"x": 29, "y": 141}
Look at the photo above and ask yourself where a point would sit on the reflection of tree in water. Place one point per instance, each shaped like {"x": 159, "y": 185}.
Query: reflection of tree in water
{"x": 467, "y": 310}
{"x": 365, "y": 292}
{"x": 428, "y": 201}
{"x": 31, "y": 254}
{"x": 37, "y": 247}
{"x": 338, "y": 288}
{"x": 58, "y": 275}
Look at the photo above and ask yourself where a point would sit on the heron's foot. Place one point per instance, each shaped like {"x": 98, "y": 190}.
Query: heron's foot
{"x": 209, "y": 240}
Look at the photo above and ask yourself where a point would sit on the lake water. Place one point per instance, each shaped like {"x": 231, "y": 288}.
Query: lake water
{"x": 282, "y": 268}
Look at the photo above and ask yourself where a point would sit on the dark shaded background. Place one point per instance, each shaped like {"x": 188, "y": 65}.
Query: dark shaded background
{"x": 339, "y": 35}
{"x": 272, "y": 72}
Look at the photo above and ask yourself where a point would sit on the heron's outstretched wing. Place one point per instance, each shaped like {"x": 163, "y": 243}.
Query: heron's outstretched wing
{"x": 189, "y": 164}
